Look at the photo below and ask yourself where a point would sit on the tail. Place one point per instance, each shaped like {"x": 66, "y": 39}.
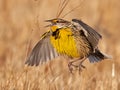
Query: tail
{"x": 98, "y": 56}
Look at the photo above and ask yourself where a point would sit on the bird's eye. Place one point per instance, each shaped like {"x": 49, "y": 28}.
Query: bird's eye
{"x": 57, "y": 21}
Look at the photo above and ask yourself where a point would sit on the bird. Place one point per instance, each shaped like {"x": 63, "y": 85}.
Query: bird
{"x": 73, "y": 39}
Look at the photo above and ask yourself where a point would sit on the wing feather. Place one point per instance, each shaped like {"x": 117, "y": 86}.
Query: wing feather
{"x": 42, "y": 52}
{"x": 92, "y": 35}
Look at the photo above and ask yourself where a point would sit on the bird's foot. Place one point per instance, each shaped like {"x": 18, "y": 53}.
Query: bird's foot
{"x": 71, "y": 66}
{"x": 80, "y": 67}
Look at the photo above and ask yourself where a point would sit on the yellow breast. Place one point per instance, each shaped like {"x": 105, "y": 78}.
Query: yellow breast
{"x": 65, "y": 43}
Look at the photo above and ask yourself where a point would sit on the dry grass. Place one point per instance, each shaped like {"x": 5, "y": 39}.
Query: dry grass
{"x": 23, "y": 20}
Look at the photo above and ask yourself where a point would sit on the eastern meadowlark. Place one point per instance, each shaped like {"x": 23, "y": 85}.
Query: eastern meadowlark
{"x": 74, "y": 39}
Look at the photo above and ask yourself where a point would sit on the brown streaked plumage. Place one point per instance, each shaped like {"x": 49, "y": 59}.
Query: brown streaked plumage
{"x": 81, "y": 45}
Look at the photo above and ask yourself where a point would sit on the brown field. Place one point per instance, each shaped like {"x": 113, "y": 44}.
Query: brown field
{"x": 22, "y": 23}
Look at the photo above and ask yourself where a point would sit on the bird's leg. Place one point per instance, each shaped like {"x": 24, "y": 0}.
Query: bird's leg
{"x": 70, "y": 64}
{"x": 81, "y": 66}
{"x": 70, "y": 68}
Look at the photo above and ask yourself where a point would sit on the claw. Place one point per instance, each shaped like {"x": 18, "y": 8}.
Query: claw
{"x": 81, "y": 66}
{"x": 70, "y": 68}
{"x": 71, "y": 65}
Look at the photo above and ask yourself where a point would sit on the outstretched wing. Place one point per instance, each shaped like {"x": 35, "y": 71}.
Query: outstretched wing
{"x": 92, "y": 36}
{"x": 42, "y": 52}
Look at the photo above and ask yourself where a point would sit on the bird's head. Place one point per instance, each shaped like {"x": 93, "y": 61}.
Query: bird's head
{"x": 58, "y": 22}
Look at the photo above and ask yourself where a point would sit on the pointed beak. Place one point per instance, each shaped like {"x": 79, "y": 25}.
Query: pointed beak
{"x": 48, "y": 20}
{"x": 48, "y": 25}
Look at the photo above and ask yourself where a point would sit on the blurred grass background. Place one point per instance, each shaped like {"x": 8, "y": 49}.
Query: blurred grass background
{"x": 22, "y": 21}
